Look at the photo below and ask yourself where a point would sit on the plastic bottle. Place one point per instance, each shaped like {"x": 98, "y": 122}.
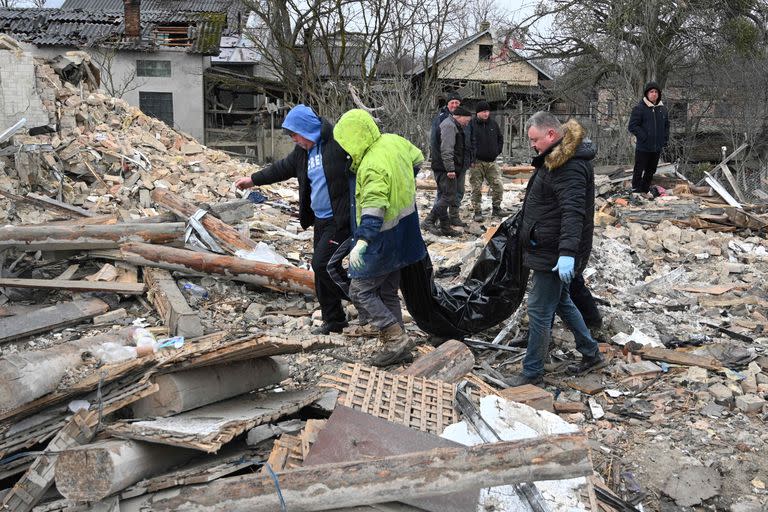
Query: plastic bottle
{"x": 111, "y": 352}
{"x": 194, "y": 290}
{"x": 144, "y": 340}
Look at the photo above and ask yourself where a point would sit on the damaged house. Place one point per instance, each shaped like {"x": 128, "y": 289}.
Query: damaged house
{"x": 152, "y": 54}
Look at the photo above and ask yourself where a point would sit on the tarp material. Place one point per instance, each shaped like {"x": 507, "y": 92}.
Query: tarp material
{"x": 492, "y": 292}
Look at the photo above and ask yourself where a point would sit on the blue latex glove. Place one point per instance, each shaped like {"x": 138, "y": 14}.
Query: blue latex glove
{"x": 565, "y": 268}
{"x": 356, "y": 255}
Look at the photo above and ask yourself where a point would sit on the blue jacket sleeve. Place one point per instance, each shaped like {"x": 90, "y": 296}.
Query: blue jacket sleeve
{"x": 369, "y": 227}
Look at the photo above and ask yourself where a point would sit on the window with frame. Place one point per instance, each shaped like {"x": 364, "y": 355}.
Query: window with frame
{"x": 158, "y": 105}
{"x": 153, "y": 68}
{"x": 485, "y": 51}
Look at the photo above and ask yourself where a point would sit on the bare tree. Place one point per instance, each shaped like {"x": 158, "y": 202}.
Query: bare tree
{"x": 113, "y": 81}
{"x": 319, "y": 48}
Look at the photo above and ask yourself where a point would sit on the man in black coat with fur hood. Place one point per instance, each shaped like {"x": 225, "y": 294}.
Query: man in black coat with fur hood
{"x": 649, "y": 123}
{"x": 556, "y": 238}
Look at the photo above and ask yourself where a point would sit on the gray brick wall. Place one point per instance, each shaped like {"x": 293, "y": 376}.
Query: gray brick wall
{"x": 18, "y": 93}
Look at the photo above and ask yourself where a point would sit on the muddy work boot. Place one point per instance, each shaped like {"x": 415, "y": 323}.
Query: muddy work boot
{"x": 445, "y": 229}
{"x": 394, "y": 346}
{"x": 587, "y": 365}
{"x": 498, "y": 211}
{"x": 453, "y": 215}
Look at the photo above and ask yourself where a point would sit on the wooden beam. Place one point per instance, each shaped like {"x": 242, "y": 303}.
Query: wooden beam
{"x": 189, "y": 389}
{"x": 74, "y": 286}
{"x": 49, "y": 203}
{"x": 449, "y": 362}
{"x": 396, "y": 478}
{"x": 54, "y": 238}
{"x": 682, "y": 358}
{"x": 165, "y": 295}
{"x": 47, "y": 319}
{"x": 268, "y": 275}
{"x": 228, "y": 236}
{"x": 95, "y": 471}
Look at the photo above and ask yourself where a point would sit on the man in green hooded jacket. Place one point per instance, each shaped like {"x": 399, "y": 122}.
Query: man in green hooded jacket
{"x": 385, "y": 225}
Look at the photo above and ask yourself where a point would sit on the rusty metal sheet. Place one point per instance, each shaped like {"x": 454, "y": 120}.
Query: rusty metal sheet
{"x": 353, "y": 435}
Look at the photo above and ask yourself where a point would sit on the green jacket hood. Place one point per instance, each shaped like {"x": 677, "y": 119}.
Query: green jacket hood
{"x": 355, "y": 132}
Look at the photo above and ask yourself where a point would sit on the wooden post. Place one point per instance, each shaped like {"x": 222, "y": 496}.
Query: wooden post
{"x": 449, "y": 362}
{"x": 95, "y": 471}
{"x": 31, "y": 374}
{"x": 395, "y": 478}
{"x": 228, "y": 236}
{"x": 268, "y": 275}
{"x": 189, "y": 389}
{"x": 165, "y": 295}
{"x": 94, "y": 236}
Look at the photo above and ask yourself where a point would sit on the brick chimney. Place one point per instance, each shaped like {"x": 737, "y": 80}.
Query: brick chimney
{"x": 484, "y": 25}
{"x": 132, "y": 18}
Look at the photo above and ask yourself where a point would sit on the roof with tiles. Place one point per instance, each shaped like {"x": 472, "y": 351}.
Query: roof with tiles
{"x": 73, "y": 27}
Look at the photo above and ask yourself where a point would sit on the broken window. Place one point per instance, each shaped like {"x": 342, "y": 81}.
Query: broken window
{"x": 172, "y": 35}
{"x": 155, "y": 68}
{"x": 158, "y": 105}
{"x": 486, "y": 50}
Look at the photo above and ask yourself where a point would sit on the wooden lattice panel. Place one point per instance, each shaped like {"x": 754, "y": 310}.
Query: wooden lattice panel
{"x": 419, "y": 403}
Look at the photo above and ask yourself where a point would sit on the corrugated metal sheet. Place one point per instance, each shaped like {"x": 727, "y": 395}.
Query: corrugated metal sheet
{"x": 495, "y": 92}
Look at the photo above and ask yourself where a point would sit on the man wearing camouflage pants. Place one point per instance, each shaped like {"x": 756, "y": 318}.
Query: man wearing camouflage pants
{"x": 487, "y": 141}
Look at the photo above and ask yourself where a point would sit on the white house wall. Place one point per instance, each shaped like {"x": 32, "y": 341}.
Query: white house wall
{"x": 185, "y": 83}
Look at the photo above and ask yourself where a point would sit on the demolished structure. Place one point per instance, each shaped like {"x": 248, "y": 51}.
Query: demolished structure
{"x": 116, "y": 228}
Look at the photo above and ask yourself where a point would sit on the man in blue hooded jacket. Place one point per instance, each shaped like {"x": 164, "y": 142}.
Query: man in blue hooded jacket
{"x": 320, "y": 165}
{"x": 649, "y": 123}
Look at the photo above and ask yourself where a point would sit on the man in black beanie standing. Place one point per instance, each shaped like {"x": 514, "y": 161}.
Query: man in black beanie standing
{"x": 448, "y": 157}
{"x": 649, "y": 123}
{"x": 487, "y": 141}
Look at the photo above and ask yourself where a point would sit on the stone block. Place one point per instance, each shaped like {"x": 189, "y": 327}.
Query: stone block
{"x": 750, "y": 403}
{"x": 721, "y": 393}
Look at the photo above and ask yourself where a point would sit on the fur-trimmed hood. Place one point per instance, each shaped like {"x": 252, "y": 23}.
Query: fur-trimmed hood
{"x": 573, "y": 144}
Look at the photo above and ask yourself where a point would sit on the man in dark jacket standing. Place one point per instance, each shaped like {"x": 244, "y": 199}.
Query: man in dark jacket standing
{"x": 487, "y": 141}
{"x": 320, "y": 165}
{"x": 448, "y": 157}
{"x": 556, "y": 238}
{"x": 649, "y": 123}
{"x": 454, "y": 102}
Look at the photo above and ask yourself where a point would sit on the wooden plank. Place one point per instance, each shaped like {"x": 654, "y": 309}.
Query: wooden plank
{"x": 395, "y": 478}
{"x": 208, "y": 428}
{"x": 710, "y": 290}
{"x": 721, "y": 190}
{"x": 682, "y": 358}
{"x": 729, "y": 176}
{"x": 165, "y": 295}
{"x": 53, "y": 317}
{"x": 531, "y": 395}
{"x": 74, "y": 286}
{"x": 49, "y": 203}
{"x": 56, "y": 238}
{"x": 449, "y": 362}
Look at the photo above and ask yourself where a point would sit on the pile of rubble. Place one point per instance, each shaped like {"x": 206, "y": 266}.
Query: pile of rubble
{"x": 155, "y": 350}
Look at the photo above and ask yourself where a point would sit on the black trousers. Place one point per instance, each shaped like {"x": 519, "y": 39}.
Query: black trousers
{"x": 584, "y": 301}
{"x": 447, "y": 189}
{"x": 645, "y": 167}
{"x": 329, "y": 294}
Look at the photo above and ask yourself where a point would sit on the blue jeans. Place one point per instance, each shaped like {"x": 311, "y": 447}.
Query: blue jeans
{"x": 547, "y": 296}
